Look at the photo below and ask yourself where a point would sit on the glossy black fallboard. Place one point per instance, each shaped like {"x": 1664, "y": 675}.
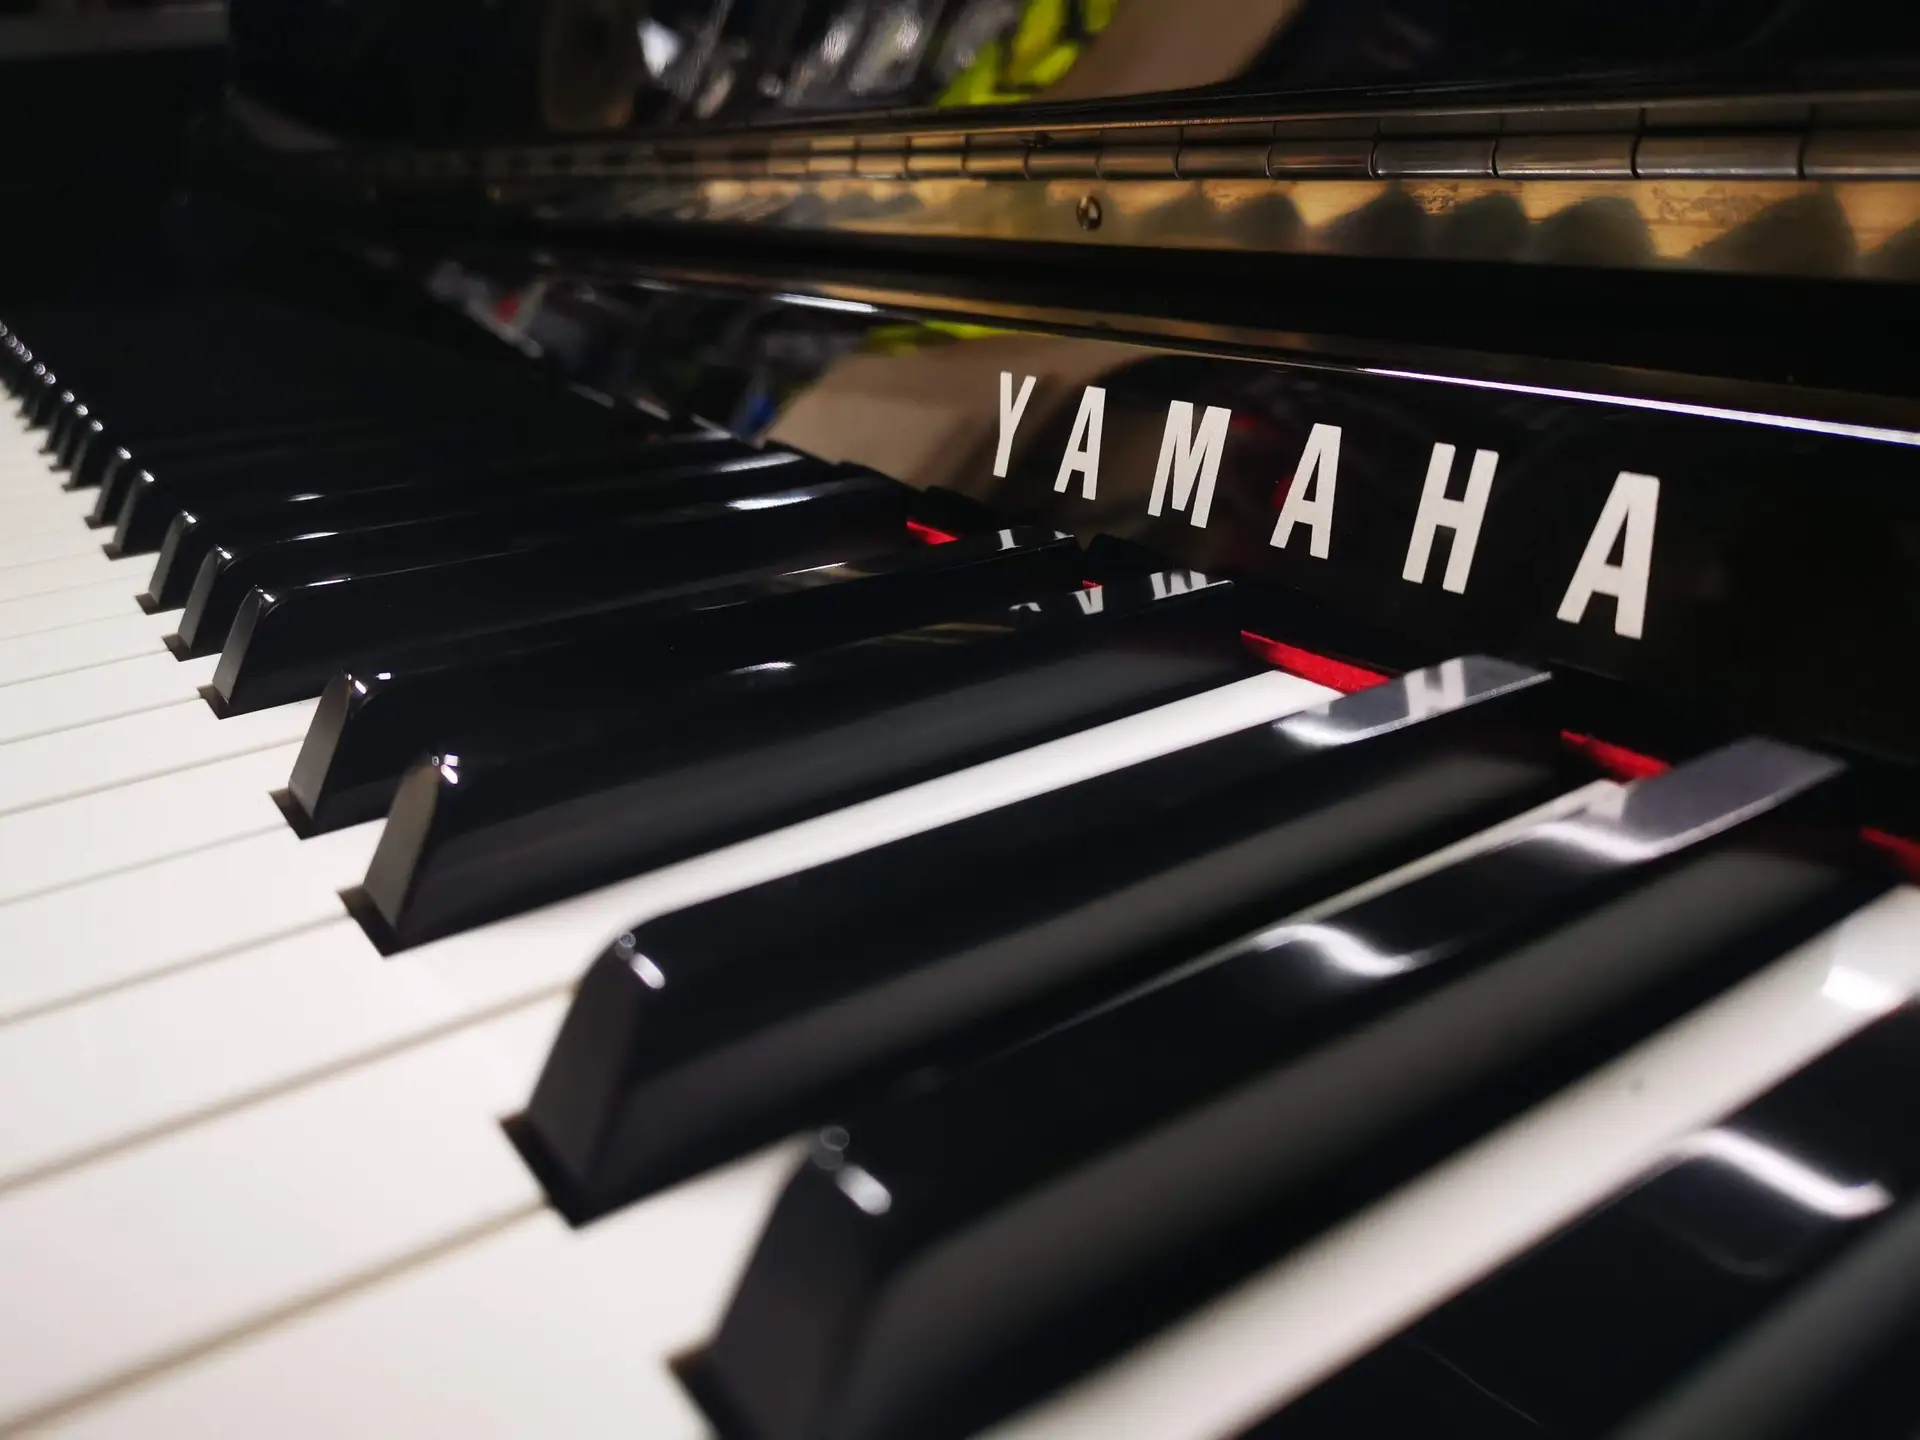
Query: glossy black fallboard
{"x": 286, "y": 644}
{"x": 505, "y": 822}
{"x": 237, "y": 520}
{"x": 705, "y": 1032}
{"x": 606, "y": 497}
{"x": 375, "y": 721}
{"x": 946, "y": 1257}
{"x": 1719, "y": 558}
{"x": 1608, "y": 1326}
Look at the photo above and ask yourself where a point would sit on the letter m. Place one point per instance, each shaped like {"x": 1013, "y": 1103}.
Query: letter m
{"x": 1190, "y": 458}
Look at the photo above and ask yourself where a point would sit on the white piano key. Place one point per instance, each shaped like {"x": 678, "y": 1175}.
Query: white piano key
{"x": 1289, "y": 1327}
{"x": 250, "y": 1021}
{"x": 29, "y": 527}
{"x": 26, "y": 457}
{"x": 120, "y": 636}
{"x": 101, "y": 692}
{"x": 173, "y": 1245}
{"x": 93, "y": 835}
{"x": 35, "y": 613}
{"x": 52, "y": 543}
{"x": 47, "y": 503}
{"x": 589, "y": 1317}
{"x": 111, "y": 753}
{"x": 17, "y": 443}
{"x": 20, "y": 446}
{"x": 24, "y": 470}
{"x": 537, "y": 1330}
{"x": 25, "y": 445}
{"x": 119, "y": 929}
{"x": 72, "y": 572}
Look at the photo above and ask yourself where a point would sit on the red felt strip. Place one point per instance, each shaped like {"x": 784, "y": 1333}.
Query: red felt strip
{"x": 1618, "y": 761}
{"x": 1321, "y": 669}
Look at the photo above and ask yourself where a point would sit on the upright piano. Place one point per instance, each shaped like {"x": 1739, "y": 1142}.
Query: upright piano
{"x": 1262, "y": 651}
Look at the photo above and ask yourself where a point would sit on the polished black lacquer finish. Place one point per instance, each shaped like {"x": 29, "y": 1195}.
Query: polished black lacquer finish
{"x": 438, "y": 467}
{"x": 1743, "y": 1287}
{"x": 945, "y": 1257}
{"x": 611, "y": 498}
{"x": 373, "y": 723}
{"x": 507, "y": 820}
{"x": 285, "y": 506}
{"x": 114, "y": 468}
{"x": 285, "y": 644}
{"x": 718, "y": 1027}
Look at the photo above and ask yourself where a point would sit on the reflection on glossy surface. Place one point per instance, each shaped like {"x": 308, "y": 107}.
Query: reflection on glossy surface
{"x": 1814, "y": 227}
{"x": 287, "y": 643}
{"x": 1050, "y": 1204}
{"x": 1786, "y": 1176}
{"x": 602, "y": 495}
{"x": 1631, "y": 1308}
{"x": 261, "y": 511}
{"x": 378, "y": 481}
{"x": 1740, "y": 570}
{"x": 783, "y": 1002}
{"x": 598, "y": 65}
{"x": 588, "y": 798}
{"x": 370, "y": 727}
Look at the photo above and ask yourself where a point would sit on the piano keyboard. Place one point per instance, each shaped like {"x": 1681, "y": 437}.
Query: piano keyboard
{"x": 1103, "y": 1033}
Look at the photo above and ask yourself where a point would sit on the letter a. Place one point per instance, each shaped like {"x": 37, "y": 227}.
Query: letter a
{"x": 1083, "y": 446}
{"x": 1318, "y": 470}
{"x": 1191, "y": 459}
{"x": 1011, "y": 409}
{"x": 1630, "y": 509}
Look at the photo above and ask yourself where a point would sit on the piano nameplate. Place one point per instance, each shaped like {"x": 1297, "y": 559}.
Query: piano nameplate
{"x": 1767, "y": 564}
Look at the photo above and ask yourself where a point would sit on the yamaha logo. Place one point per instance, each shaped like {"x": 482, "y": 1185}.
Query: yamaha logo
{"x": 1615, "y": 567}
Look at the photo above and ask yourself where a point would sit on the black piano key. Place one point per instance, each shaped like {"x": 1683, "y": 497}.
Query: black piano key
{"x": 287, "y": 643}
{"x": 47, "y": 412}
{"x": 380, "y": 518}
{"x": 69, "y": 433}
{"x": 818, "y": 986}
{"x": 110, "y": 464}
{"x": 240, "y": 517}
{"x": 82, "y": 446}
{"x": 235, "y": 423}
{"x": 562, "y": 806}
{"x": 80, "y": 427}
{"x": 29, "y": 377}
{"x": 1736, "y": 1290}
{"x": 954, "y": 1254}
{"x": 1409, "y": 1385}
{"x": 20, "y": 360}
{"x": 433, "y": 460}
{"x": 32, "y": 373}
{"x": 71, "y": 415}
{"x": 27, "y": 384}
{"x": 122, "y": 444}
{"x": 1837, "y": 1360}
{"x": 42, "y": 395}
{"x": 376, "y": 720}
{"x": 488, "y": 522}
